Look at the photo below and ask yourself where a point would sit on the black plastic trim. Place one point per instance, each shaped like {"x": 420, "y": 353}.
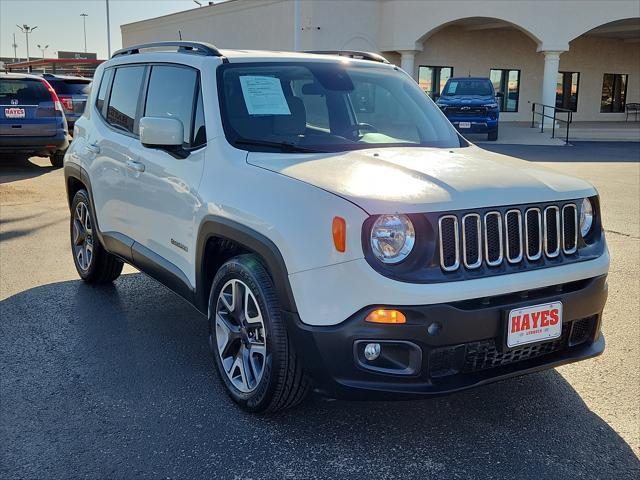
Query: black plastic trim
{"x": 199, "y": 48}
{"x": 214, "y": 226}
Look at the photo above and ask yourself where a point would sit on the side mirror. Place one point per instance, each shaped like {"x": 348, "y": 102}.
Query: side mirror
{"x": 163, "y": 134}
{"x": 499, "y": 94}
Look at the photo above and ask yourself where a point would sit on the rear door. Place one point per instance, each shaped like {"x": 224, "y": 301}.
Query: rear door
{"x": 27, "y": 108}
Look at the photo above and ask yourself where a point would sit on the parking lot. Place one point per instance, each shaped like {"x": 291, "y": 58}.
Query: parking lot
{"x": 117, "y": 382}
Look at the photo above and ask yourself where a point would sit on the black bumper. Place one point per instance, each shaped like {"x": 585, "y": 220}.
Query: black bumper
{"x": 464, "y": 349}
{"x": 32, "y": 144}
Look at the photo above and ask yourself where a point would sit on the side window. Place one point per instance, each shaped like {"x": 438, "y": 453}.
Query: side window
{"x": 199, "y": 130}
{"x": 170, "y": 94}
{"x": 102, "y": 92}
{"x": 123, "y": 103}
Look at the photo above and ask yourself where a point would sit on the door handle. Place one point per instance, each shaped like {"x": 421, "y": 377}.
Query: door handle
{"x": 135, "y": 166}
{"x": 93, "y": 148}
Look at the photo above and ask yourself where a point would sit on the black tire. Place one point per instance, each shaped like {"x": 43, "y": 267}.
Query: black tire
{"x": 283, "y": 383}
{"x": 57, "y": 158}
{"x": 493, "y": 135}
{"x": 101, "y": 266}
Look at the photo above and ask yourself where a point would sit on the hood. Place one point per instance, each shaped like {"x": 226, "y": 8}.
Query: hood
{"x": 471, "y": 100}
{"x": 414, "y": 180}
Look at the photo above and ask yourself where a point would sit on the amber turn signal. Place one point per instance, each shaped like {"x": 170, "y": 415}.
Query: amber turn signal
{"x": 386, "y": 316}
{"x": 339, "y": 229}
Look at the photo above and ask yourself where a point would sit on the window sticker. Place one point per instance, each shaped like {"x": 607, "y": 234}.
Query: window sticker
{"x": 453, "y": 86}
{"x": 264, "y": 95}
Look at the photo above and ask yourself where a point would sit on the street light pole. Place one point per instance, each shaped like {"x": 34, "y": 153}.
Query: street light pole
{"x": 26, "y": 29}
{"x": 108, "y": 32}
{"x": 42, "y": 49}
{"x": 15, "y": 48}
{"x": 84, "y": 24}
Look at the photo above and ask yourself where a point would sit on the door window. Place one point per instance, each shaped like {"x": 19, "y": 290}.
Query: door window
{"x": 567, "y": 90}
{"x": 102, "y": 91}
{"x": 433, "y": 79}
{"x": 171, "y": 95}
{"x": 614, "y": 92}
{"x": 123, "y": 103}
{"x": 508, "y": 83}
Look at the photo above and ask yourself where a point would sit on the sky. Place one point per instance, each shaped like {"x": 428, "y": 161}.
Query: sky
{"x": 60, "y": 24}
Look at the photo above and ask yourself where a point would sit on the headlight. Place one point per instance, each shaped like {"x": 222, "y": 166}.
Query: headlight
{"x": 586, "y": 217}
{"x": 392, "y": 238}
{"x": 491, "y": 105}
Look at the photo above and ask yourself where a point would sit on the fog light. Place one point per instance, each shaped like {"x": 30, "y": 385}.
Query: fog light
{"x": 386, "y": 316}
{"x": 372, "y": 351}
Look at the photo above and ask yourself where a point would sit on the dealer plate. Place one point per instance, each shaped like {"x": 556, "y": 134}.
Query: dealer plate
{"x": 534, "y": 324}
{"x": 464, "y": 125}
{"x": 14, "y": 112}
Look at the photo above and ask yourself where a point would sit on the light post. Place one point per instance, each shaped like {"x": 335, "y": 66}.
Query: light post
{"x": 84, "y": 25}
{"x": 108, "y": 31}
{"x": 42, "y": 49}
{"x": 15, "y": 48}
{"x": 26, "y": 29}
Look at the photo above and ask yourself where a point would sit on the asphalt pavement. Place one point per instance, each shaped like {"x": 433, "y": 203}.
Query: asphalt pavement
{"x": 117, "y": 381}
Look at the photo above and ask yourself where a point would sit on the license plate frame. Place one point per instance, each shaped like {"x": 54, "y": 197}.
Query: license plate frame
{"x": 464, "y": 125}
{"x": 541, "y": 329}
{"x": 15, "y": 112}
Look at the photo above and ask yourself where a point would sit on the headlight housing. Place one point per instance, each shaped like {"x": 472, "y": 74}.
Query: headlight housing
{"x": 586, "y": 217}
{"x": 392, "y": 238}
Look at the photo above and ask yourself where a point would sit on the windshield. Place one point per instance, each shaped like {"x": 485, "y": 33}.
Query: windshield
{"x": 327, "y": 107}
{"x": 457, "y": 86}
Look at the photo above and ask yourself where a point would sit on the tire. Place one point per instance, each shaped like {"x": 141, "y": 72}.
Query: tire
{"x": 93, "y": 263}
{"x": 57, "y": 158}
{"x": 258, "y": 365}
{"x": 493, "y": 135}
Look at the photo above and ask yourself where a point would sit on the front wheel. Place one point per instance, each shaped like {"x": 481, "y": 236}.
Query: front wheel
{"x": 493, "y": 135}
{"x": 251, "y": 349}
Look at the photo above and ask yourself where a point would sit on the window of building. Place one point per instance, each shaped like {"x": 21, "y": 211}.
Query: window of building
{"x": 432, "y": 79}
{"x": 506, "y": 82}
{"x": 123, "y": 102}
{"x": 104, "y": 85}
{"x": 171, "y": 94}
{"x": 567, "y": 90}
{"x": 614, "y": 93}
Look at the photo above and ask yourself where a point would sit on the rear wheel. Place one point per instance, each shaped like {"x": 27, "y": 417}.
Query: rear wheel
{"x": 57, "y": 158}
{"x": 252, "y": 351}
{"x": 93, "y": 263}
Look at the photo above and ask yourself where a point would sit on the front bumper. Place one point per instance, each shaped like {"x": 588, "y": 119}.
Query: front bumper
{"x": 477, "y": 124}
{"x": 464, "y": 350}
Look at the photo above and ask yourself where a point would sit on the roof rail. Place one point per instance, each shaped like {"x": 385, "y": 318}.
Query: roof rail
{"x": 199, "y": 48}
{"x": 374, "y": 57}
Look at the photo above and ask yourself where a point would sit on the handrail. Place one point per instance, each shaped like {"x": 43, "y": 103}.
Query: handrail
{"x": 201, "y": 48}
{"x": 554, "y": 117}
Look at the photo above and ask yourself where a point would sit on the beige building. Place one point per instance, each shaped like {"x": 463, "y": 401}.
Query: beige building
{"x": 581, "y": 55}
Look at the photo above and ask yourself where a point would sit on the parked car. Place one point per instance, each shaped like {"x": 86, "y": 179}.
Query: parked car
{"x": 72, "y": 92}
{"x": 331, "y": 223}
{"x": 471, "y": 105}
{"x": 32, "y": 121}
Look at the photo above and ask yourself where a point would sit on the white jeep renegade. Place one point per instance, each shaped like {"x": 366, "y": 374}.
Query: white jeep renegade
{"x": 333, "y": 225}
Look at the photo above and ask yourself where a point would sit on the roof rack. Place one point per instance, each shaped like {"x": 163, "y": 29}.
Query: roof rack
{"x": 374, "y": 57}
{"x": 199, "y": 48}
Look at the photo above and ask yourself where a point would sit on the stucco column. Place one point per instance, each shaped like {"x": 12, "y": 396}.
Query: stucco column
{"x": 408, "y": 62}
{"x": 549, "y": 81}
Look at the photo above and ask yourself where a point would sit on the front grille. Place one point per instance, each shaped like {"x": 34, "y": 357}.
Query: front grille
{"x": 466, "y": 111}
{"x": 513, "y": 234}
{"x": 483, "y": 355}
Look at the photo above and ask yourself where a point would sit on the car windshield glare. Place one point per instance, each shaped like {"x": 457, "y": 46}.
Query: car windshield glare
{"x": 457, "y": 86}
{"x": 327, "y": 107}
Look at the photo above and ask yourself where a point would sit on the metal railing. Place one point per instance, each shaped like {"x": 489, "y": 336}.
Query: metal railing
{"x": 545, "y": 114}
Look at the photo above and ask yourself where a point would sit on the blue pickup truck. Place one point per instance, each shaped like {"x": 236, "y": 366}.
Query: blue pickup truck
{"x": 471, "y": 105}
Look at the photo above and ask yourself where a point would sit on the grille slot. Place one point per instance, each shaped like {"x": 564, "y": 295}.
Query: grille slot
{"x": 471, "y": 241}
{"x": 552, "y": 231}
{"x": 449, "y": 243}
{"x": 493, "y": 238}
{"x": 533, "y": 233}
{"x": 569, "y": 229}
{"x": 513, "y": 223}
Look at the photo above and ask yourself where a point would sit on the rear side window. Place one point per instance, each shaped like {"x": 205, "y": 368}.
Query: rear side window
{"x": 123, "y": 102}
{"x": 71, "y": 87}
{"x": 171, "y": 95}
{"x": 104, "y": 85}
{"x": 23, "y": 92}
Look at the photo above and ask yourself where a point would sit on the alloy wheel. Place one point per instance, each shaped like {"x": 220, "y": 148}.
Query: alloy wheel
{"x": 240, "y": 335}
{"x": 82, "y": 236}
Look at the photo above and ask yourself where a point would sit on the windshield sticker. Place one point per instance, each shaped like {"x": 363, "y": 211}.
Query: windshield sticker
{"x": 264, "y": 95}
{"x": 452, "y": 88}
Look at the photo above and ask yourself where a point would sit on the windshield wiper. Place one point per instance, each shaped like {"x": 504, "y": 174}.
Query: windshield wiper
{"x": 284, "y": 146}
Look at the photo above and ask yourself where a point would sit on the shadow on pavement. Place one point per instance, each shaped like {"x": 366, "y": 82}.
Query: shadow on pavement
{"x": 117, "y": 382}
{"x": 576, "y": 152}
{"x": 16, "y": 167}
